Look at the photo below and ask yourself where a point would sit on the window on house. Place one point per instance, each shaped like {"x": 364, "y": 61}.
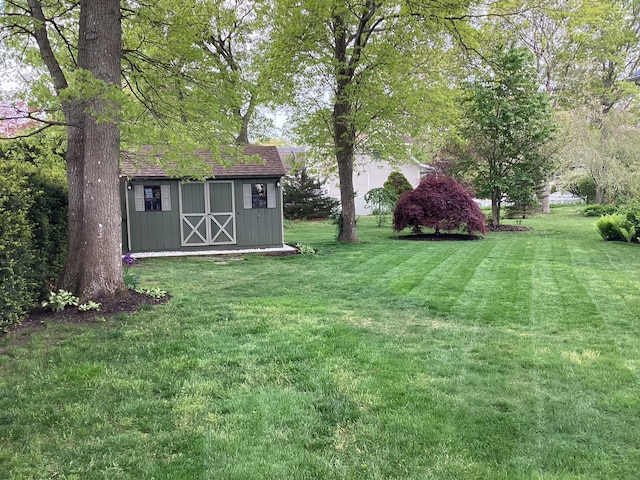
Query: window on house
{"x": 152, "y": 198}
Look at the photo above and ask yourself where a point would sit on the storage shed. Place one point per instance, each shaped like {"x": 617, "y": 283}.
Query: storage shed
{"x": 232, "y": 208}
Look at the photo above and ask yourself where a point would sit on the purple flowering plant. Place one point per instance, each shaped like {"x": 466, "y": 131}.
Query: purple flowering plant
{"x": 131, "y": 280}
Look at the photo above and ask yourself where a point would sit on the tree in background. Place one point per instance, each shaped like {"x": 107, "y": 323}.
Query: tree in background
{"x": 583, "y": 52}
{"x": 397, "y": 183}
{"x": 361, "y": 75}
{"x": 441, "y": 203}
{"x": 508, "y": 124}
{"x": 304, "y": 199}
{"x": 235, "y": 39}
{"x": 382, "y": 201}
{"x": 603, "y": 156}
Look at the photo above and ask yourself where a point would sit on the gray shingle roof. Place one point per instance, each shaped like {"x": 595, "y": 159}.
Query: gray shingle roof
{"x": 147, "y": 163}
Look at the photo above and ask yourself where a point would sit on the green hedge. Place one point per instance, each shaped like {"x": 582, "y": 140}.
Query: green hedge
{"x": 33, "y": 237}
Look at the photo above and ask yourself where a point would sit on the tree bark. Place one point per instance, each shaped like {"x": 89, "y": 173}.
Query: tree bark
{"x": 344, "y": 136}
{"x": 496, "y": 201}
{"x": 543, "y": 192}
{"x": 94, "y": 267}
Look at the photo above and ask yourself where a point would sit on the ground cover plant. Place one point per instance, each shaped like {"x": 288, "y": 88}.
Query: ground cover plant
{"x": 512, "y": 357}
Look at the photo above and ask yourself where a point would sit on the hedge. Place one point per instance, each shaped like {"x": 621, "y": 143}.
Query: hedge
{"x": 33, "y": 237}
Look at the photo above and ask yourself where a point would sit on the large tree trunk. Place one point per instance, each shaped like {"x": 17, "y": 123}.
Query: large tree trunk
{"x": 344, "y": 132}
{"x": 348, "y": 232}
{"x": 94, "y": 267}
{"x": 344, "y": 141}
{"x": 496, "y": 203}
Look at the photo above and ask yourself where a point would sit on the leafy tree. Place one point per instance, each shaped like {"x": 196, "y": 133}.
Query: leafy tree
{"x": 509, "y": 122}
{"x": 397, "y": 183}
{"x": 361, "y": 74}
{"x": 584, "y": 51}
{"x": 303, "y": 197}
{"x": 79, "y": 53}
{"x": 439, "y": 202}
{"x": 382, "y": 200}
{"x": 603, "y": 154}
{"x": 235, "y": 40}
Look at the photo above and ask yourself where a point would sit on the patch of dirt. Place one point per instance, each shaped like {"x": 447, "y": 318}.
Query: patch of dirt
{"x": 126, "y": 302}
{"x": 438, "y": 237}
{"x": 508, "y": 228}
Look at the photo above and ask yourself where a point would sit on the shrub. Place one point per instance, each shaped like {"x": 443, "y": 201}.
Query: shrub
{"x": 382, "y": 200}
{"x": 439, "y": 202}
{"x": 616, "y": 227}
{"x": 585, "y": 188}
{"x": 595, "y": 210}
{"x": 303, "y": 198}
{"x": 33, "y": 233}
{"x": 397, "y": 183}
{"x": 17, "y": 291}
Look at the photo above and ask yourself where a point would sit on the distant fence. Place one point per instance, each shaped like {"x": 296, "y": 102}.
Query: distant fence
{"x": 554, "y": 199}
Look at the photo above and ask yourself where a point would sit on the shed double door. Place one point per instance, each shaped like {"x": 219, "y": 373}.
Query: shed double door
{"x": 207, "y": 213}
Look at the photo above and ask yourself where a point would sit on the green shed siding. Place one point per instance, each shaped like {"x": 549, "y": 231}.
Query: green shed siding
{"x": 157, "y": 230}
{"x": 258, "y": 226}
{"x": 220, "y": 221}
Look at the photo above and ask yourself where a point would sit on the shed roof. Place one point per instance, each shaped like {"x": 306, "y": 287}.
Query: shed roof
{"x": 148, "y": 163}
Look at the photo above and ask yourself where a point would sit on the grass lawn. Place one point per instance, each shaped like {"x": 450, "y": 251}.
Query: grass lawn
{"x": 512, "y": 357}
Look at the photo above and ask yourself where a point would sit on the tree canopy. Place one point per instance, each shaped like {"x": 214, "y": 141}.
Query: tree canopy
{"x": 362, "y": 75}
{"x": 508, "y": 123}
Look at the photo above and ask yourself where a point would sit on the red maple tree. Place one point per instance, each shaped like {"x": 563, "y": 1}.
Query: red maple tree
{"x": 441, "y": 203}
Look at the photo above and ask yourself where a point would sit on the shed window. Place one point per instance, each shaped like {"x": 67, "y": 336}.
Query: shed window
{"x": 152, "y": 198}
{"x": 259, "y": 195}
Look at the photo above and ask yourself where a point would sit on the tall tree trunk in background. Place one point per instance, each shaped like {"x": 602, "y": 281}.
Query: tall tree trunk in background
{"x": 543, "y": 192}
{"x": 496, "y": 203}
{"x": 344, "y": 132}
{"x": 94, "y": 267}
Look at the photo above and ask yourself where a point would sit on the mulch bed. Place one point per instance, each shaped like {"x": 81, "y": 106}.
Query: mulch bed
{"x": 438, "y": 237}
{"x": 443, "y": 237}
{"x": 508, "y": 228}
{"x": 127, "y": 302}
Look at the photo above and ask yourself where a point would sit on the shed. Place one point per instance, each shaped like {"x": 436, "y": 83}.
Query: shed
{"x": 229, "y": 208}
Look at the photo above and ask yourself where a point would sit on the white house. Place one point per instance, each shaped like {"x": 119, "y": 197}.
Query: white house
{"x": 369, "y": 173}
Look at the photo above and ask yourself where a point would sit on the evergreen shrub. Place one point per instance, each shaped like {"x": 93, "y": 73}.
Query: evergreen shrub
{"x": 33, "y": 237}
{"x": 303, "y": 198}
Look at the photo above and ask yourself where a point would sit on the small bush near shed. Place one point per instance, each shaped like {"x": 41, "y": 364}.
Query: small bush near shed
{"x": 441, "y": 203}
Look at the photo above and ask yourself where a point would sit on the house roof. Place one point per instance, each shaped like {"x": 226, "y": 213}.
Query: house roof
{"x": 147, "y": 163}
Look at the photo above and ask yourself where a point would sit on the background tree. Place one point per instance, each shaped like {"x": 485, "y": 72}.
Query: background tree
{"x": 508, "y": 123}
{"x": 441, "y": 203}
{"x": 235, "y": 39}
{"x": 584, "y": 51}
{"x": 304, "y": 199}
{"x": 603, "y": 155}
{"x": 364, "y": 72}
